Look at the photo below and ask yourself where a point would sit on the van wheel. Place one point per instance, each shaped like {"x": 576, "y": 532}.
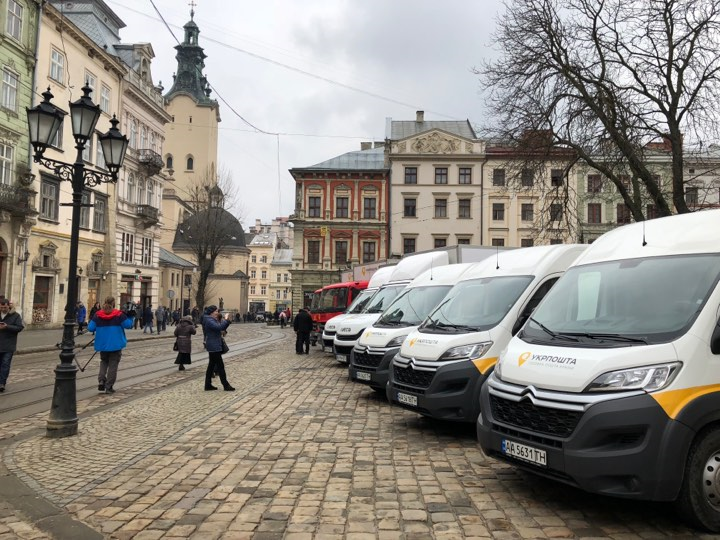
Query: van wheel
{"x": 699, "y": 499}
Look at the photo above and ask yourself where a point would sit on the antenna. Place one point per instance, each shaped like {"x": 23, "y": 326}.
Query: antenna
{"x": 497, "y": 257}
{"x": 431, "y": 267}
{"x": 644, "y": 243}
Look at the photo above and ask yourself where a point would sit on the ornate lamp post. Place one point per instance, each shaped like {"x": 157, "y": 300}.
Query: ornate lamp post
{"x": 44, "y": 120}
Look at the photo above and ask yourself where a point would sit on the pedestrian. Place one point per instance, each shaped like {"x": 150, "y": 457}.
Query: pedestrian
{"x": 138, "y": 316}
{"x": 166, "y": 318}
{"x": 109, "y": 325}
{"x": 283, "y": 319}
{"x": 303, "y": 326}
{"x": 80, "y": 315}
{"x": 11, "y": 325}
{"x": 175, "y": 317}
{"x": 183, "y": 332}
{"x": 213, "y": 326}
{"x": 195, "y": 314}
{"x": 159, "y": 318}
{"x": 94, "y": 310}
{"x": 148, "y": 318}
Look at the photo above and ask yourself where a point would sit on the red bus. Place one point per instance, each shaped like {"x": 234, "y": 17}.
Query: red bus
{"x": 333, "y": 300}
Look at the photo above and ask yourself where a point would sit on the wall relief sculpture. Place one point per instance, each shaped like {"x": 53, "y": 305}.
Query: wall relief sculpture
{"x": 435, "y": 144}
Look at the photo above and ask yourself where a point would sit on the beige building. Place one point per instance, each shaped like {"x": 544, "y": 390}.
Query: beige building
{"x": 262, "y": 249}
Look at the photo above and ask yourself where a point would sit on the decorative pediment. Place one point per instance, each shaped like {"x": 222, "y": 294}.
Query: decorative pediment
{"x": 435, "y": 143}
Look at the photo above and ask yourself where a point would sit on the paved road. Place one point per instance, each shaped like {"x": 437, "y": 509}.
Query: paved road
{"x": 298, "y": 452}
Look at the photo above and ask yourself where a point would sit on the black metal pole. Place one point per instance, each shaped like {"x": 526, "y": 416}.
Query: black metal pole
{"x": 63, "y": 421}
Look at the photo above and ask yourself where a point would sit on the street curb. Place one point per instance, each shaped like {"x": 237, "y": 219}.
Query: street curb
{"x": 56, "y": 347}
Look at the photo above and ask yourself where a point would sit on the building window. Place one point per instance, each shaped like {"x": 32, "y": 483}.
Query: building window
{"x": 464, "y": 208}
{"x": 527, "y": 242}
{"x": 253, "y": 274}
{"x": 409, "y": 207}
{"x": 369, "y": 207}
{"x": 465, "y": 176}
{"x": 286, "y": 278}
{"x": 555, "y": 241}
{"x": 85, "y": 210}
{"x": 263, "y": 259}
{"x": 57, "y": 66}
{"x": 57, "y": 142}
{"x": 131, "y": 188}
{"x": 253, "y": 258}
{"x": 440, "y": 242}
{"x": 263, "y": 290}
{"x": 99, "y": 156}
{"x": 527, "y": 178}
{"x": 133, "y": 134}
{"x": 498, "y": 177}
{"x": 368, "y": 252}
{"x": 556, "y": 212}
{"x": 169, "y": 162}
{"x": 498, "y": 242}
{"x": 441, "y": 175}
{"x": 651, "y": 211}
{"x": 313, "y": 206}
{"x": 190, "y": 164}
{"x": 277, "y": 294}
{"x": 691, "y": 196}
{"x": 14, "y": 20}
{"x": 594, "y": 183}
{"x": 623, "y": 213}
{"x": 105, "y": 99}
{"x": 87, "y": 151}
{"x": 147, "y": 251}
{"x": 440, "y": 208}
{"x": 91, "y": 81}
{"x": 498, "y": 211}
{"x": 527, "y": 212}
{"x": 263, "y": 274}
{"x": 341, "y": 252}
{"x": 9, "y": 90}
{"x": 99, "y": 213}
{"x": 128, "y": 247}
{"x": 626, "y": 181}
{"x": 278, "y": 277}
{"x": 408, "y": 245}
{"x": 252, "y": 289}
{"x": 6, "y": 164}
{"x": 341, "y": 207}
{"x": 411, "y": 175}
{"x": 140, "y": 191}
{"x": 313, "y": 251}
{"x": 143, "y": 137}
{"x": 556, "y": 177}
{"x": 594, "y": 213}
{"x": 49, "y": 204}
{"x": 151, "y": 193}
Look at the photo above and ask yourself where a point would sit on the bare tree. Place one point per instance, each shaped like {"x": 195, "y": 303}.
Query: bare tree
{"x": 210, "y": 228}
{"x": 610, "y": 79}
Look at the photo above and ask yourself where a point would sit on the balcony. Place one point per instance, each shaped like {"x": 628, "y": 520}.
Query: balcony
{"x": 17, "y": 200}
{"x": 147, "y": 215}
{"x": 151, "y": 160}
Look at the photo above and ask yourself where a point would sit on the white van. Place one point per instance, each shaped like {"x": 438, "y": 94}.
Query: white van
{"x": 370, "y": 359}
{"x": 379, "y": 277}
{"x": 442, "y": 365}
{"x": 404, "y": 272}
{"x": 613, "y": 385}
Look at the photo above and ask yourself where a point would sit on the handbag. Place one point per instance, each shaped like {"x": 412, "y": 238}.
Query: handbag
{"x": 225, "y": 348}
{"x": 175, "y": 346}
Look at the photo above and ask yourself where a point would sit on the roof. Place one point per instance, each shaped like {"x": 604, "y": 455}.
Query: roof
{"x": 402, "y": 129}
{"x": 372, "y": 159}
{"x": 220, "y": 219}
{"x": 96, "y": 20}
{"x": 282, "y": 256}
{"x": 167, "y": 257}
{"x": 264, "y": 239}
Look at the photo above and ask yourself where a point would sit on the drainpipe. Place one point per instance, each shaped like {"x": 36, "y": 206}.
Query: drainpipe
{"x": 482, "y": 202}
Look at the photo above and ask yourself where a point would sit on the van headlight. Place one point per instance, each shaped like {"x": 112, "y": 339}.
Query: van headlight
{"x": 466, "y": 352}
{"x": 648, "y": 378}
{"x": 498, "y": 369}
{"x": 395, "y": 342}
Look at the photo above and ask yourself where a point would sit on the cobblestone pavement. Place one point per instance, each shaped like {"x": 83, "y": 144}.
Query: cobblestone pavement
{"x": 300, "y": 452}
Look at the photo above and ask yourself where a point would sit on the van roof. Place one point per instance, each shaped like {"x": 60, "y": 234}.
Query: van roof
{"x": 412, "y": 266}
{"x": 696, "y": 232}
{"x": 527, "y": 261}
{"x": 380, "y": 277}
{"x": 442, "y": 275}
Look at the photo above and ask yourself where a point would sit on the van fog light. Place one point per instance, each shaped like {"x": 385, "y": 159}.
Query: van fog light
{"x": 648, "y": 378}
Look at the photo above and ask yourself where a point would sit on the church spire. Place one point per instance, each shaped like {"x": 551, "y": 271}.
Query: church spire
{"x": 189, "y": 78}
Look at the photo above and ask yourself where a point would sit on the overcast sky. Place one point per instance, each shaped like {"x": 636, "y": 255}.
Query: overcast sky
{"x": 325, "y": 74}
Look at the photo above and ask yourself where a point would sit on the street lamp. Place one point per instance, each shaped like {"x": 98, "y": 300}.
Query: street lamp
{"x": 44, "y": 120}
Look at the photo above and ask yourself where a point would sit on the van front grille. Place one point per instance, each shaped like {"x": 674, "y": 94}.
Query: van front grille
{"x": 526, "y": 415}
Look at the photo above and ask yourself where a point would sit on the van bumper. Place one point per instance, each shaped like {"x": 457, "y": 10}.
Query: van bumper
{"x": 371, "y": 366}
{"x": 624, "y": 447}
{"x": 450, "y": 392}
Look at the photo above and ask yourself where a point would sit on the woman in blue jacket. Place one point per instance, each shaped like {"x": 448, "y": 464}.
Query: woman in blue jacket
{"x": 213, "y": 327}
{"x": 109, "y": 326}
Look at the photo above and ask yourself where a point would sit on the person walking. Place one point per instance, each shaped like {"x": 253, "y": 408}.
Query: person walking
{"x": 184, "y": 330}
{"x": 283, "y": 319}
{"x": 11, "y": 324}
{"x": 138, "y": 316}
{"x": 213, "y": 326}
{"x": 94, "y": 310}
{"x": 80, "y": 314}
{"x": 159, "y": 318}
{"x": 175, "y": 317}
{"x": 109, "y": 325}
{"x": 303, "y": 326}
{"x": 148, "y": 318}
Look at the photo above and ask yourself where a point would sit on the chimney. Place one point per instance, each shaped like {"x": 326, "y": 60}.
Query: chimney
{"x": 420, "y": 116}
{"x": 365, "y": 146}
{"x": 379, "y": 144}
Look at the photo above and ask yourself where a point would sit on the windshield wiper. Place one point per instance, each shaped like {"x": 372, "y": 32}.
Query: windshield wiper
{"x": 612, "y": 337}
{"x": 552, "y": 334}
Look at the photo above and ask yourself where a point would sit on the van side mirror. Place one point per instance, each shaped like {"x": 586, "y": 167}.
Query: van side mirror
{"x": 715, "y": 339}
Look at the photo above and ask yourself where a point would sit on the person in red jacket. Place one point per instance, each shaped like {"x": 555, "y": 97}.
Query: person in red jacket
{"x": 109, "y": 326}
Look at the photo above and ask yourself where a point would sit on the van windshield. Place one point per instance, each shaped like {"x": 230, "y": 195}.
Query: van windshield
{"x": 476, "y": 304}
{"x": 412, "y": 306}
{"x": 360, "y": 301}
{"x": 381, "y": 300}
{"x": 625, "y": 303}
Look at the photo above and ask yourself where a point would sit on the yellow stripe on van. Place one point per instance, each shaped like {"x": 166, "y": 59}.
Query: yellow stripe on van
{"x": 674, "y": 401}
{"x": 483, "y": 365}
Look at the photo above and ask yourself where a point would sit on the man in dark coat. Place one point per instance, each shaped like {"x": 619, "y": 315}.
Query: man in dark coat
{"x": 11, "y": 325}
{"x": 303, "y": 326}
{"x": 148, "y": 318}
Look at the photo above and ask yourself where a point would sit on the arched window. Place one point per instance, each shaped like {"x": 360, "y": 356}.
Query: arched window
{"x": 151, "y": 193}
{"x": 133, "y": 134}
{"x": 131, "y": 189}
{"x": 143, "y": 138}
{"x": 141, "y": 191}
{"x": 169, "y": 161}
{"x": 190, "y": 163}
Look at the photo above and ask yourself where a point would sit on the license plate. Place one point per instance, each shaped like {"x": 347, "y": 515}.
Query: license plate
{"x": 524, "y": 452}
{"x": 407, "y": 399}
{"x": 362, "y": 375}
{"x": 341, "y": 358}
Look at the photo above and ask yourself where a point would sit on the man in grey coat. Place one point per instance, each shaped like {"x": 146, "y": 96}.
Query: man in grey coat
{"x": 11, "y": 325}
